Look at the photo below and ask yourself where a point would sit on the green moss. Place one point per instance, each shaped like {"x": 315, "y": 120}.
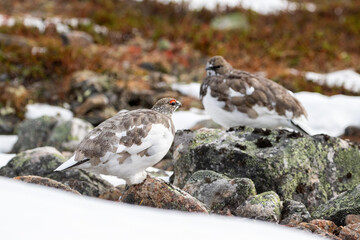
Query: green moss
{"x": 204, "y": 137}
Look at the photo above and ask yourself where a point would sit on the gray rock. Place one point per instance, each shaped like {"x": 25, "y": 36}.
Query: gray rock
{"x": 50, "y": 131}
{"x": 220, "y": 194}
{"x": 294, "y": 213}
{"x": 42, "y": 162}
{"x": 34, "y": 133}
{"x": 8, "y": 124}
{"x": 265, "y": 206}
{"x": 67, "y": 135}
{"x": 307, "y": 169}
{"x": 339, "y": 207}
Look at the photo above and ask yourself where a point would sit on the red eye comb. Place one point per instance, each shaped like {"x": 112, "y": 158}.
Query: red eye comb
{"x": 172, "y": 101}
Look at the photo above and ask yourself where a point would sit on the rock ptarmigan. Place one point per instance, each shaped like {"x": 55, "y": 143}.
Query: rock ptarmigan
{"x": 128, "y": 143}
{"x": 233, "y": 97}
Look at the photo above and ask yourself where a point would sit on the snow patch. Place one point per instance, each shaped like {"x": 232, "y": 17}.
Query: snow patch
{"x": 188, "y": 119}
{"x": 260, "y": 6}
{"x": 330, "y": 115}
{"x": 37, "y": 110}
{"x": 5, "y": 158}
{"x": 7, "y": 142}
{"x": 347, "y": 78}
{"x": 191, "y": 89}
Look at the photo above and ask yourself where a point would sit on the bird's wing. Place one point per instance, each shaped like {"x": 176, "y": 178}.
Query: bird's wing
{"x": 247, "y": 90}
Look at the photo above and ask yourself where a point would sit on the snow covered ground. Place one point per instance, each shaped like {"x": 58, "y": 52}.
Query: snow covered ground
{"x": 34, "y": 212}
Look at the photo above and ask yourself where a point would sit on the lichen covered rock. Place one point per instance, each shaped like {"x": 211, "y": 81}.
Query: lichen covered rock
{"x": 338, "y": 208}
{"x": 219, "y": 193}
{"x": 265, "y": 206}
{"x": 42, "y": 162}
{"x": 159, "y": 194}
{"x": 293, "y": 213}
{"x": 50, "y": 131}
{"x": 33, "y": 133}
{"x": 307, "y": 169}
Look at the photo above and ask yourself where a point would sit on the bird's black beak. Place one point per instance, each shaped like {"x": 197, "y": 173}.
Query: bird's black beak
{"x": 178, "y": 104}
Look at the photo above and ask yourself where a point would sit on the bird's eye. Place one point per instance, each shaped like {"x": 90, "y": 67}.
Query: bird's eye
{"x": 172, "y": 102}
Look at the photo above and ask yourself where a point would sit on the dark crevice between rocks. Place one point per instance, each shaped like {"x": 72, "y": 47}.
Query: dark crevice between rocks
{"x": 263, "y": 143}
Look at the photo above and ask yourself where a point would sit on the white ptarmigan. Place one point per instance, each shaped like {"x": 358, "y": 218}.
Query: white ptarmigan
{"x": 128, "y": 143}
{"x": 233, "y": 98}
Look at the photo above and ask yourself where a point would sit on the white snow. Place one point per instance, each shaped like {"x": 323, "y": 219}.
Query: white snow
{"x": 47, "y": 213}
{"x": 330, "y": 115}
{"x": 188, "y": 119}
{"x": 37, "y": 110}
{"x": 260, "y": 6}
{"x": 191, "y": 89}
{"x": 7, "y": 142}
{"x": 347, "y": 78}
{"x": 5, "y": 158}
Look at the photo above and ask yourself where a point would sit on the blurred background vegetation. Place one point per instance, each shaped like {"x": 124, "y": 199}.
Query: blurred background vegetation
{"x": 38, "y": 66}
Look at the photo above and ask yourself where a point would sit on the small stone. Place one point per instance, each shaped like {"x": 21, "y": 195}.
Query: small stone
{"x": 159, "y": 194}
{"x": 352, "y": 218}
{"x": 294, "y": 213}
{"x": 219, "y": 193}
{"x": 326, "y": 225}
{"x": 46, "y": 182}
{"x": 265, "y": 206}
{"x": 77, "y": 39}
{"x": 317, "y": 230}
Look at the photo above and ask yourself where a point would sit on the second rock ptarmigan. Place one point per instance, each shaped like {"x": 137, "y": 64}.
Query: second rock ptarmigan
{"x": 128, "y": 143}
{"x": 233, "y": 98}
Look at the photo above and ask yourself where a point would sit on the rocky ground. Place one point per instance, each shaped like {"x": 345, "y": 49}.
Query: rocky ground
{"x": 309, "y": 183}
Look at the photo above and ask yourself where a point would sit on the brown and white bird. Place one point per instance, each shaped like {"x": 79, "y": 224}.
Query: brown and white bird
{"x": 128, "y": 143}
{"x": 233, "y": 97}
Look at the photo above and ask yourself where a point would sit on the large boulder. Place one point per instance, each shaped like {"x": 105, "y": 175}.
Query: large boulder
{"x": 160, "y": 194}
{"x": 338, "y": 208}
{"x": 34, "y": 133}
{"x": 307, "y": 169}
{"x": 51, "y": 131}
{"x": 42, "y": 162}
{"x": 220, "y": 194}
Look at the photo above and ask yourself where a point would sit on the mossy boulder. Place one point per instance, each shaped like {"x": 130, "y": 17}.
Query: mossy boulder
{"x": 265, "y": 206}
{"x": 67, "y": 135}
{"x": 307, "y": 169}
{"x": 33, "y": 133}
{"x": 221, "y": 194}
{"x": 339, "y": 207}
{"x": 51, "y": 131}
{"x": 42, "y": 162}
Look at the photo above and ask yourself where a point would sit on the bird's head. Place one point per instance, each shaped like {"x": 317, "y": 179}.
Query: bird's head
{"x": 166, "y": 106}
{"x": 216, "y": 66}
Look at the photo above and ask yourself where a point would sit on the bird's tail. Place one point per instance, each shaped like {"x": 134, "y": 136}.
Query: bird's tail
{"x": 301, "y": 124}
{"x": 70, "y": 163}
